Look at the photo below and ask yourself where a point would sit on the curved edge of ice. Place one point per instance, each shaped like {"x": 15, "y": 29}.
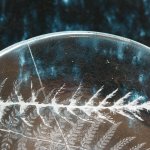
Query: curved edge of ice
{"x": 69, "y": 34}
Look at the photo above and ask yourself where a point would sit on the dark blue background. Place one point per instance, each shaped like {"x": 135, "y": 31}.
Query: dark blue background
{"x": 23, "y": 19}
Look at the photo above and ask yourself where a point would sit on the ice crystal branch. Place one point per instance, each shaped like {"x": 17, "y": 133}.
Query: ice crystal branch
{"x": 122, "y": 106}
{"x": 122, "y": 143}
{"x": 102, "y": 143}
{"x": 138, "y": 147}
{"x": 36, "y": 139}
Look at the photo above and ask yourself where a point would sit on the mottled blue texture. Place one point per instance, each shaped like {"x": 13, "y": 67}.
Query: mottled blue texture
{"x": 22, "y": 19}
{"x": 93, "y": 60}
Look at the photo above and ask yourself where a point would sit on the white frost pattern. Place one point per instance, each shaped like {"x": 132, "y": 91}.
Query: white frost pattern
{"x": 87, "y": 113}
{"x": 57, "y": 129}
{"x": 130, "y": 109}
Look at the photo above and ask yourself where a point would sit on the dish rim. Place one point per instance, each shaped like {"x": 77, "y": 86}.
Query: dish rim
{"x": 70, "y": 34}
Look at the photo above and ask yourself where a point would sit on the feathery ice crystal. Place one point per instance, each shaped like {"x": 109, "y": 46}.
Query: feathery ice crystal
{"x": 47, "y": 130}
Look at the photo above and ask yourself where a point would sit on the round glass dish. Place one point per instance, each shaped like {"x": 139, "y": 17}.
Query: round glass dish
{"x": 75, "y": 90}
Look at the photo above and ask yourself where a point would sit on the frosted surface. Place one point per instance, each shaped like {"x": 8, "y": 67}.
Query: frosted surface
{"x": 75, "y": 90}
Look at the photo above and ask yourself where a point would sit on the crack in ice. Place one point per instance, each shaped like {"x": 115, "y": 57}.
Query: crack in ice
{"x": 41, "y": 84}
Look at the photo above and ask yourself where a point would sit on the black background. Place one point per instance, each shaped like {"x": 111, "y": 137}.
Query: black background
{"x": 23, "y": 19}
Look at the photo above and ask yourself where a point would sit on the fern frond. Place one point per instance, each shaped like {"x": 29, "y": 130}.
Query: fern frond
{"x": 2, "y": 84}
{"x": 42, "y": 131}
{"x": 75, "y": 132}
{"x": 55, "y": 135}
{"x": 130, "y": 109}
{"x": 122, "y": 143}
{"x": 34, "y": 138}
{"x": 109, "y": 96}
{"x": 77, "y": 93}
{"x": 89, "y": 135}
{"x": 22, "y": 144}
{"x": 138, "y": 147}
{"x": 6, "y": 142}
{"x": 102, "y": 143}
{"x": 39, "y": 145}
{"x": 81, "y": 113}
{"x": 91, "y": 100}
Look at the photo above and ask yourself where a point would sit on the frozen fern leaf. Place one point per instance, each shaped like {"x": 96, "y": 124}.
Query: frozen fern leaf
{"x": 138, "y": 147}
{"x": 102, "y": 143}
{"x": 122, "y": 143}
{"x": 72, "y": 123}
